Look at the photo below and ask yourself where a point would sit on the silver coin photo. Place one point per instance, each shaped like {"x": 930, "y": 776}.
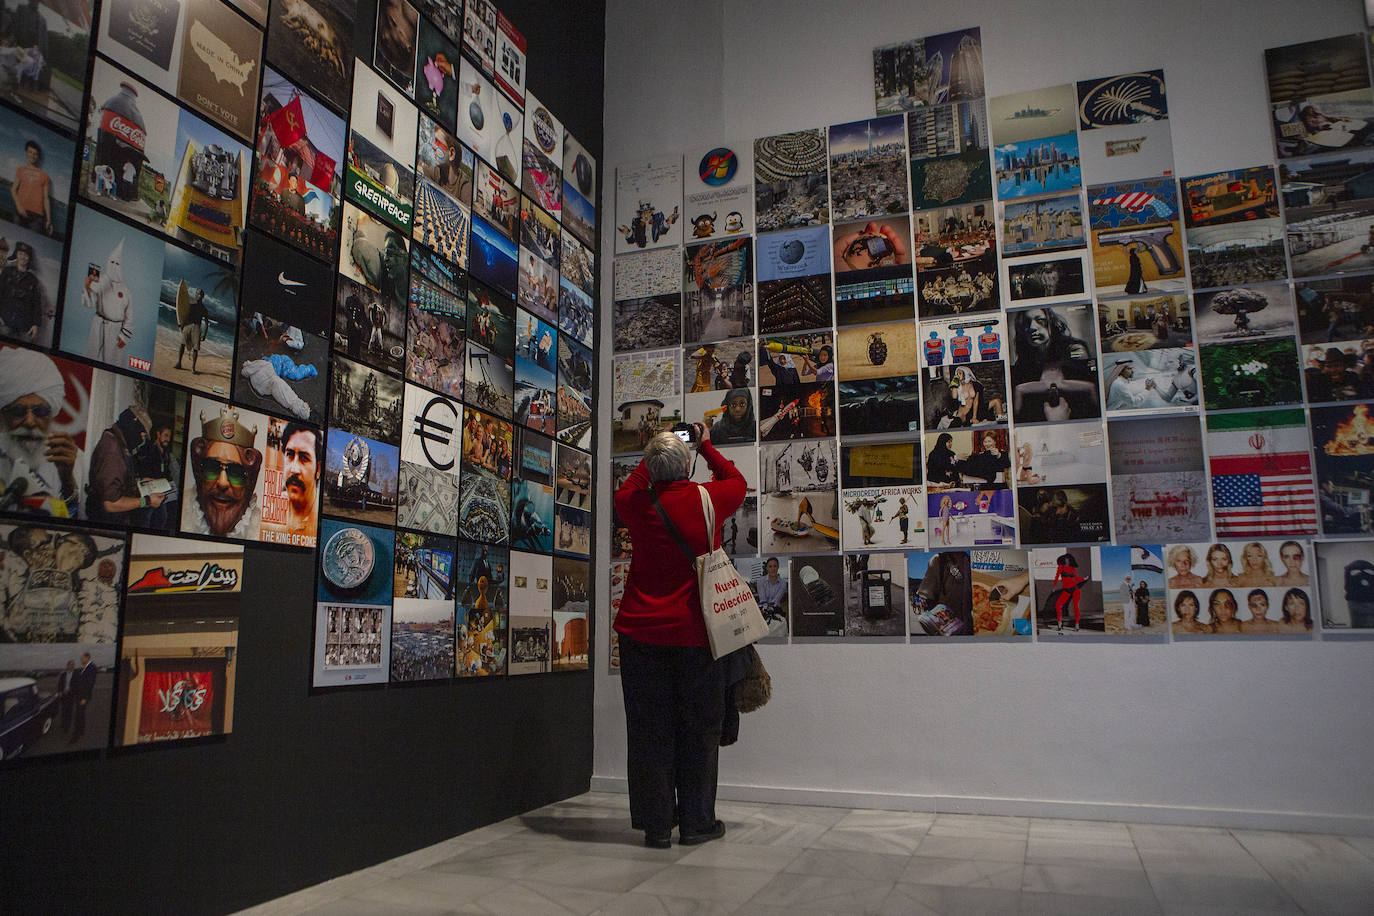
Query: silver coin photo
{"x": 348, "y": 558}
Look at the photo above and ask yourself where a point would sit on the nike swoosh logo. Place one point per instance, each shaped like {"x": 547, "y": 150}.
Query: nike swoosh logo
{"x": 281, "y": 278}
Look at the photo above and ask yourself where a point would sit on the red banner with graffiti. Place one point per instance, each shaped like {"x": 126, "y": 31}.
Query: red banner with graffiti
{"x": 176, "y": 704}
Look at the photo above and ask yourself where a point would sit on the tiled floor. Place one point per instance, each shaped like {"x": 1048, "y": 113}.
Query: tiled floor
{"x": 580, "y": 856}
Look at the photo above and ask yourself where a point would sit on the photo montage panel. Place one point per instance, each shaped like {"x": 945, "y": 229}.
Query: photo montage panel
{"x": 484, "y": 506}
{"x": 1346, "y": 578}
{"x": 1035, "y": 142}
{"x": 183, "y": 332}
{"x": 576, "y": 287}
{"x": 718, "y": 290}
{"x": 539, "y": 261}
{"x": 1249, "y": 354}
{"x": 312, "y": 42}
{"x": 444, "y": 162}
{"x": 646, "y": 390}
{"x": 1159, "y": 485}
{"x": 791, "y": 184}
{"x": 970, "y": 593}
{"x": 1320, "y": 95}
{"x": 61, "y": 619}
{"x": 868, "y": 168}
{"x": 928, "y": 71}
{"x": 817, "y": 590}
{"x": 489, "y": 381}
{"x": 648, "y": 205}
{"x": 1343, "y": 440}
{"x": 718, "y": 197}
{"x": 297, "y": 169}
{"x": 648, "y": 300}
{"x": 1123, "y": 124}
{"x": 250, "y": 477}
{"x": 796, "y": 386}
{"x": 794, "y": 280}
{"x": 427, "y": 498}
{"x": 201, "y": 51}
{"x": 968, "y": 497}
{"x": 883, "y": 518}
{"x": 574, "y": 393}
{"x": 536, "y": 355}
{"x": 1233, "y": 228}
{"x": 397, "y": 33}
{"x": 768, "y": 580}
{"x": 283, "y": 352}
{"x": 531, "y": 615}
{"x": 436, "y": 324}
{"x": 55, "y": 96}
{"x": 740, "y": 532}
{"x": 1134, "y": 600}
{"x": 362, "y": 458}
{"x": 720, "y": 383}
{"x": 189, "y": 180}
{"x": 1333, "y": 317}
{"x": 876, "y": 595}
{"x": 436, "y": 73}
{"x": 542, "y": 174}
{"x": 949, "y": 148}
{"x": 873, "y": 279}
{"x": 481, "y": 580}
{"x": 372, "y": 291}
{"x": 178, "y": 652}
{"x": 963, "y": 375}
{"x": 1137, "y": 238}
{"x": 422, "y": 608}
{"x": 353, "y": 605}
{"x": 1325, "y": 213}
{"x": 1061, "y": 483}
{"x": 580, "y": 192}
{"x": 1261, "y": 468}
{"x": 380, "y": 176}
{"x": 1260, "y": 588}
{"x": 571, "y": 614}
{"x": 533, "y": 493}
{"x": 956, "y": 259}
{"x": 880, "y": 381}
{"x": 488, "y": 122}
{"x": 34, "y": 219}
{"x": 799, "y": 508}
{"x": 1043, "y": 224}
{"x": 1054, "y": 364}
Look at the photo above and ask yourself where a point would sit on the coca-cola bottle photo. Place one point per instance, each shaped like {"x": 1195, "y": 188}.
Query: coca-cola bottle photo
{"x": 121, "y": 140}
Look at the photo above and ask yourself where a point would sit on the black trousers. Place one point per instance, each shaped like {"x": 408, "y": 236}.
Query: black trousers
{"x": 674, "y": 707}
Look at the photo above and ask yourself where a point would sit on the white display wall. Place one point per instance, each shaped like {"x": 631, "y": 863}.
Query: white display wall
{"x": 1242, "y": 733}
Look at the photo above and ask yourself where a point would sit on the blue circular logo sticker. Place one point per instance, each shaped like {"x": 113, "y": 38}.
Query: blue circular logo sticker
{"x": 718, "y": 166}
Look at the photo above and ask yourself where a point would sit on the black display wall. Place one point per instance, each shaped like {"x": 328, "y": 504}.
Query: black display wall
{"x": 311, "y": 786}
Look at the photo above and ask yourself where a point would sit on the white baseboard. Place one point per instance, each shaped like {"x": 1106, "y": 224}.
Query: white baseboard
{"x": 1238, "y": 818}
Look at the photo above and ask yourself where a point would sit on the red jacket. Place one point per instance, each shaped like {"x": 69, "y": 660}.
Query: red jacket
{"x": 661, "y": 605}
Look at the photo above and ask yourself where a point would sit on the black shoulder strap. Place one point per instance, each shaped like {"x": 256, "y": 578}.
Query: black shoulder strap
{"x": 672, "y": 529}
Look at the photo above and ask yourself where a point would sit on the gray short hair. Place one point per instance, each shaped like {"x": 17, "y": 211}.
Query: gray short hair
{"x": 667, "y": 457}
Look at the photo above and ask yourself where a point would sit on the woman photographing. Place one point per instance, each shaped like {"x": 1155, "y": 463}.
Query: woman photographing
{"x": 674, "y": 690}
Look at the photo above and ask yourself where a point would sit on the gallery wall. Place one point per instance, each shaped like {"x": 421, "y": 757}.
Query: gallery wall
{"x": 310, "y": 783}
{"x": 1096, "y": 728}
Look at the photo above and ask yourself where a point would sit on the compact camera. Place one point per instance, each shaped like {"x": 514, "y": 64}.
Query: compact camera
{"x": 686, "y": 432}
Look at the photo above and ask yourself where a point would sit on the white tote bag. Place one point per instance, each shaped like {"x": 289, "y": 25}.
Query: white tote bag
{"x": 733, "y": 618}
{"x": 732, "y": 615}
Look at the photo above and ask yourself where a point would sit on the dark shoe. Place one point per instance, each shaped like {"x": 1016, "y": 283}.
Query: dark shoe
{"x": 714, "y": 832}
{"x": 658, "y": 840}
